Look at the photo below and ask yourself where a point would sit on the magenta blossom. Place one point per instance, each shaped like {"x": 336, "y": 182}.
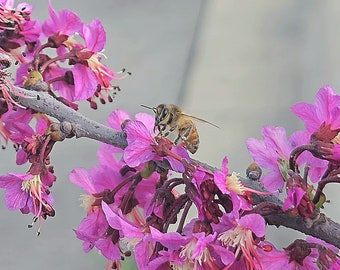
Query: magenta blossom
{"x": 95, "y": 232}
{"x": 65, "y": 22}
{"x": 95, "y": 38}
{"x": 231, "y": 185}
{"x": 240, "y": 237}
{"x": 145, "y": 192}
{"x": 328, "y": 254}
{"x": 85, "y": 82}
{"x": 118, "y": 117}
{"x": 140, "y": 144}
{"x": 322, "y": 122}
{"x": 195, "y": 251}
{"x": 94, "y": 229}
{"x": 143, "y": 147}
{"x": 35, "y": 148}
{"x": 27, "y": 193}
{"x": 117, "y": 120}
{"x": 134, "y": 234}
{"x": 300, "y": 255}
{"x": 325, "y": 110}
{"x": 272, "y": 153}
{"x": 271, "y": 258}
{"x": 87, "y": 76}
{"x": 107, "y": 153}
{"x": 17, "y": 29}
{"x": 293, "y": 199}
{"x": 17, "y": 122}
{"x": 98, "y": 183}
{"x": 317, "y": 167}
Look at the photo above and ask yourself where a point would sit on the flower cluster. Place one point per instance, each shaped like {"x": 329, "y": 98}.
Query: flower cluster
{"x": 153, "y": 201}
{"x": 316, "y": 149}
{"x": 150, "y": 199}
{"x": 133, "y": 197}
{"x": 62, "y": 57}
{"x": 74, "y": 70}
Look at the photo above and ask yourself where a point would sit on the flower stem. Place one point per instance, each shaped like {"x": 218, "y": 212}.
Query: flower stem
{"x": 296, "y": 153}
{"x": 184, "y": 215}
{"x": 322, "y": 184}
{"x": 55, "y": 59}
{"x": 174, "y": 210}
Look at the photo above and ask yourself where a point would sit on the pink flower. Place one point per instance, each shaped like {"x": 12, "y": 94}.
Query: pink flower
{"x": 322, "y": 122}
{"x": 273, "y": 154}
{"x": 31, "y": 31}
{"x": 326, "y": 110}
{"x": 271, "y": 258}
{"x": 118, "y": 117}
{"x": 95, "y": 38}
{"x": 65, "y": 22}
{"x": 195, "y": 251}
{"x": 17, "y": 122}
{"x": 140, "y": 144}
{"x": 94, "y": 229}
{"x": 17, "y": 28}
{"x": 97, "y": 179}
{"x": 35, "y": 148}
{"x": 240, "y": 238}
{"x": 66, "y": 86}
{"x": 328, "y": 254}
{"x": 231, "y": 185}
{"x": 35, "y": 145}
{"x": 317, "y": 167}
{"x": 87, "y": 71}
{"x": 301, "y": 255}
{"x": 134, "y": 234}
{"x": 145, "y": 192}
{"x": 95, "y": 232}
{"x": 85, "y": 82}
{"x": 203, "y": 252}
{"x": 28, "y": 193}
{"x": 143, "y": 147}
{"x": 293, "y": 199}
{"x": 107, "y": 153}
{"x": 88, "y": 76}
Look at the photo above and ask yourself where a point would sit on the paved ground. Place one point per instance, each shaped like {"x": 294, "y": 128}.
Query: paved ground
{"x": 238, "y": 64}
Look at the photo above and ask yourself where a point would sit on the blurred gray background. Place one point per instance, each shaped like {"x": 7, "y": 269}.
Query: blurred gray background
{"x": 238, "y": 64}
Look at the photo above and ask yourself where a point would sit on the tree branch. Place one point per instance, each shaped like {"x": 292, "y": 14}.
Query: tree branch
{"x": 321, "y": 227}
{"x": 83, "y": 126}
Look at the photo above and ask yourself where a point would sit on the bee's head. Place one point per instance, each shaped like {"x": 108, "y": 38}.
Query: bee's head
{"x": 162, "y": 113}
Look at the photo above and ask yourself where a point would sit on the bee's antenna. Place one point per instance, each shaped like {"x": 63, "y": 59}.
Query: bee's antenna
{"x": 151, "y": 108}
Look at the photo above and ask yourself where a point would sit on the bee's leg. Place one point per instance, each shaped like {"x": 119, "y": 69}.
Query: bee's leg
{"x": 187, "y": 131}
{"x": 178, "y": 140}
{"x": 170, "y": 131}
{"x": 183, "y": 134}
{"x": 161, "y": 127}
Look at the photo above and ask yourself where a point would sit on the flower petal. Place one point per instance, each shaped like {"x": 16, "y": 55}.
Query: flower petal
{"x": 94, "y": 36}
{"x": 255, "y": 223}
{"x": 85, "y": 82}
{"x": 81, "y": 178}
{"x": 116, "y": 119}
{"x": 139, "y": 149}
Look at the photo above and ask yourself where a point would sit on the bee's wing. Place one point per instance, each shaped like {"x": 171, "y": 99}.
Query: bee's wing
{"x": 200, "y": 119}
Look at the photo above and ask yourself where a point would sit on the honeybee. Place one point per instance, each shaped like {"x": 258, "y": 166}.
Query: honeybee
{"x": 170, "y": 119}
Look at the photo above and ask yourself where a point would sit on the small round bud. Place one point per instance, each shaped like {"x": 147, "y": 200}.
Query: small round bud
{"x": 254, "y": 171}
